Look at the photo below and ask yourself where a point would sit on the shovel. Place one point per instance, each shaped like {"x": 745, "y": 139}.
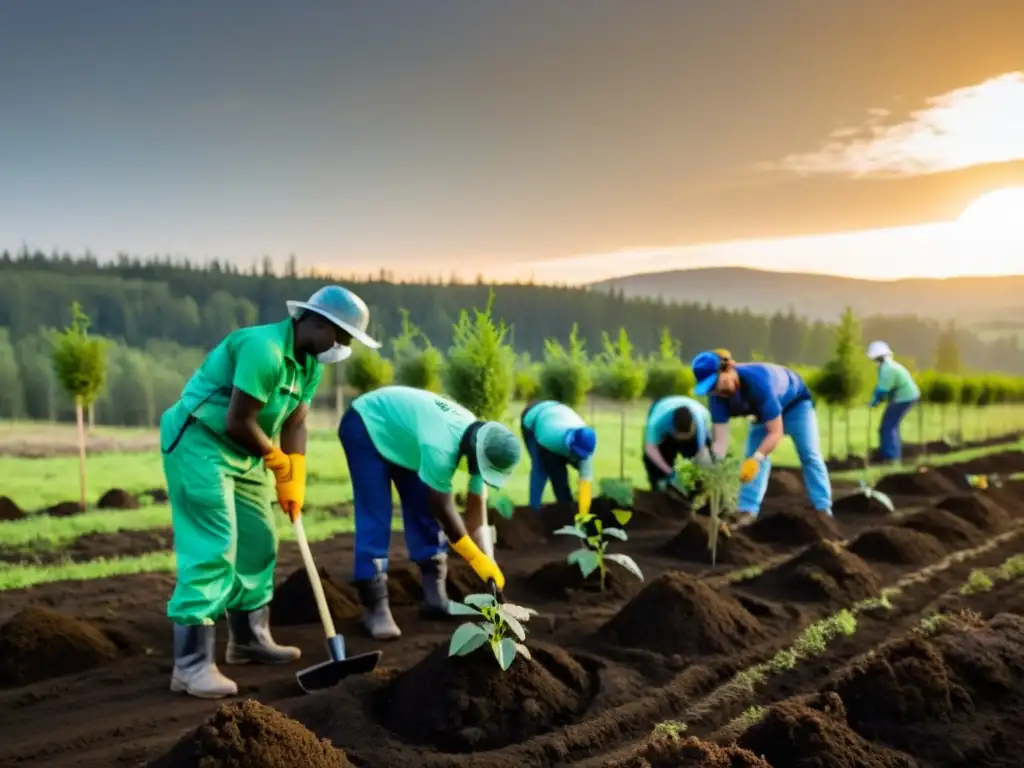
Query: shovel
{"x": 327, "y": 674}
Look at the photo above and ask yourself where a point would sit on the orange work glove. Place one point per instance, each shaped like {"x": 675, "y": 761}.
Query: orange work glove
{"x": 290, "y": 472}
{"x": 481, "y": 564}
{"x": 750, "y": 468}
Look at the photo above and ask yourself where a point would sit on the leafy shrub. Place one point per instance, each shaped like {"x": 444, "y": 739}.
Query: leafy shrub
{"x": 565, "y": 372}
{"x": 480, "y": 364}
{"x": 501, "y": 627}
{"x": 619, "y": 375}
{"x": 667, "y": 374}
{"x": 526, "y": 382}
{"x": 720, "y": 488}
{"x": 366, "y": 370}
{"x": 417, "y": 362}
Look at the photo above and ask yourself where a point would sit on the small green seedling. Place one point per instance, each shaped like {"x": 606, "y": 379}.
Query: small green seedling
{"x": 501, "y": 627}
{"x": 869, "y": 492}
{"x": 594, "y": 555}
{"x": 984, "y": 482}
{"x": 720, "y": 490}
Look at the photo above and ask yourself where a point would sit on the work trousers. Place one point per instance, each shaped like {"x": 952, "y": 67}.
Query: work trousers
{"x": 890, "y": 447}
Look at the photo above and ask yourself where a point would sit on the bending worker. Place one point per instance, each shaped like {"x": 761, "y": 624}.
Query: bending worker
{"x": 780, "y": 404}
{"x": 416, "y": 440}
{"x": 217, "y": 446}
{"x": 556, "y": 437}
{"x": 676, "y": 426}
{"x": 896, "y": 385}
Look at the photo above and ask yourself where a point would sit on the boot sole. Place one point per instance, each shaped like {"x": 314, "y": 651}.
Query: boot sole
{"x": 177, "y": 687}
{"x": 239, "y": 661}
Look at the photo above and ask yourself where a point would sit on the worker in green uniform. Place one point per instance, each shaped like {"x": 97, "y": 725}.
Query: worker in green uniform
{"x": 217, "y": 448}
{"x": 415, "y": 440}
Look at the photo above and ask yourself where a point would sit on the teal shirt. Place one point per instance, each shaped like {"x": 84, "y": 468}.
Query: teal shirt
{"x": 897, "y": 382}
{"x": 659, "y": 422}
{"x": 418, "y": 430}
{"x": 551, "y": 422}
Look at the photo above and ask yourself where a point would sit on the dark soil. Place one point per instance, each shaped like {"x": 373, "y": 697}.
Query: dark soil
{"x": 248, "y": 734}
{"x": 691, "y": 544}
{"x": 950, "y": 530}
{"x": 92, "y": 546}
{"x": 921, "y": 483}
{"x": 677, "y": 614}
{"x": 825, "y": 571}
{"x": 523, "y": 530}
{"x": 784, "y": 482}
{"x": 792, "y": 525}
{"x": 64, "y": 509}
{"x": 37, "y": 644}
{"x": 794, "y": 735}
{"x": 978, "y": 510}
{"x": 9, "y": 510}
{"x": 117, "y": 498}
{"x": 466, "y": 703}
{"x": 897, "y": 546}
{"x": 859, "y": 504}
{"x": 669, "y": 752}
{"x": 559, "y": 581}
{"x": 294, "y": 603}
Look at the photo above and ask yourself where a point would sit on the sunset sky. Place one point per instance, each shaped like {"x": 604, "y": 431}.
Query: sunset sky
{"x": 566, "y": 140}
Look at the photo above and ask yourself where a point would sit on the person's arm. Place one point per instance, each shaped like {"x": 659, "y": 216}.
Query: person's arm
{"x": 883, "y": 385}
{"x": 656, "y": 458}
{"x": 241, "y": 427}
{"x": 253, "y": 382}
{"x": 703, "y": 457}
{"x": 772, "y": 438}
{"x": 719, "y": 411}
{"x": 294, "y": 435}
{"x": 721, "y": 443}
{"x": 442, "y": 507}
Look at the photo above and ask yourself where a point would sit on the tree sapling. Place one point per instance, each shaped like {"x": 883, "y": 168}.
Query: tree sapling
{"x": 719, "y": 490}
{"x": 500, "y": 627}
{"x": 594, "y": 555}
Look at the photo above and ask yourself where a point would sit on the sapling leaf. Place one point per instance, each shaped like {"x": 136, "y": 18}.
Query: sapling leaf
{"x": 883, "y": 499}
{"x": 622, "y": 516}
{"x": 571, "y": 530}
{"x": 616, "y": 533}
{"x": 504, "y": 652}
{"x": 460, "y": 609}
{"x": 467, "y": 639}
{"x": 513, "y": 624}
{"x": 522, "y": 650}
{"x": 626, "y": 562}
{"x": 518, "y": 612}
{"x": 586, "y": 559}
{"x": 598, "y": 525}
{"x": 480, "y": 600}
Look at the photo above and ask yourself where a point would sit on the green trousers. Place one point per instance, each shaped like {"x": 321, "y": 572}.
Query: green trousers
{"x": 225, "y": 538}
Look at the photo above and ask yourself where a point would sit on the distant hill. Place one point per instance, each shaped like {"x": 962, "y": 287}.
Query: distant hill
{"x": 969, "y": 300}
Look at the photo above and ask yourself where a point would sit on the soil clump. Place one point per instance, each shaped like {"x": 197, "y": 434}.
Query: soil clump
{"x": 792, "y": 526}
{"x": 117, "y": 498}
{"x": 294, "y": 602}
{"x": 39, "y": 644}
{"x": 691, "y": 544}
{"x": 559, "y": 581}
{"x": 669, "y": 752}
{"x": 859, "y": 504}
{"x": 921, "y": 483}
{"x": 63, "y": 509}
{"x": 678, "y": 614}
{"x": 784, "y": 482}
{"x": 824, "y": 572}
{"x": 248, "y": 734}
{"x": 953, "y": 532}
{"x": 9, "y": 510}
{"x": 979, "y": 511}
{"x": 467, "y": 704}
{"x": 897, "y": 546}
{"x": 525, "y": 529}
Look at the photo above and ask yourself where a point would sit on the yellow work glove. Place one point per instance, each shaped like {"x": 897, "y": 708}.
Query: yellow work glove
{"x": 290, "y": 472}
{"x": 586, "y": 496}
{"x": 750, "y": 468}
{"x": 481, "y": 564}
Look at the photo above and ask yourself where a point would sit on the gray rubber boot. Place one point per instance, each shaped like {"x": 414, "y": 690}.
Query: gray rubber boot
{"x": 195, "y": 671}
{"x": 433, "y": 575}
{"x": 377, "y": 618}
{"x": 249, "y": 640}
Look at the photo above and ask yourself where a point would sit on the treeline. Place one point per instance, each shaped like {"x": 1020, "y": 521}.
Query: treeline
{"x": 139, "y": 301}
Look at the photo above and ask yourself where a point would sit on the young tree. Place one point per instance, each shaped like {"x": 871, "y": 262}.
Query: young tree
{"x": 565, "y": 372}
{"x": 480, "y": 364}
{"x": 947, "y": 355}
{"x": 845, "y": 377}
{"x": 80, "y": 363}
{"x": 941, "y": 390}
{"x": 12, "y": 402}
{"x": 366, "y": 370}
{"x": 622, "y": 378}
{"x": 527, "y": 380}
{"x": 418, "y": 363}
{"x": 667, "y": 374}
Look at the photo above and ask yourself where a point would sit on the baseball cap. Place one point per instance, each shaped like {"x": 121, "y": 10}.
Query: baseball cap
{"x": 582, "y": 442}
{"x": 497, "y": 453}
{"x": 705, "y": 368}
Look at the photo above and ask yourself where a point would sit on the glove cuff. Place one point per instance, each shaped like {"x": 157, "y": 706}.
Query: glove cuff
{"x": 467, "y": 549}
{"x": 298, "y": 462}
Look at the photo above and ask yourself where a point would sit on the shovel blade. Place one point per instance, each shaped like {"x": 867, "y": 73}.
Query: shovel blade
{"x": 329, "y": 673}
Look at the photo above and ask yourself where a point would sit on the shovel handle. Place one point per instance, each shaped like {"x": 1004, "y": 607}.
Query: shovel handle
{"x": 314, "y": 575}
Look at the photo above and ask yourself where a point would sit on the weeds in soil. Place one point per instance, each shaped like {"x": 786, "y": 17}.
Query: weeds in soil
{"x": 720, "y": 489}
{"x": 594, "y": 556}
{"x": 501, "y": 628}
{"x": 977, "y": 581}
{"x": 671, "y": 729}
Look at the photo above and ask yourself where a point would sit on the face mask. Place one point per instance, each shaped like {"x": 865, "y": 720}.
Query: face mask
{"x": 335, "y": 354}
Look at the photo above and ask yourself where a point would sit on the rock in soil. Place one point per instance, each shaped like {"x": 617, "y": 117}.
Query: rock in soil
{"x": 294, "y": 603}
{"x": 691, "y": 544}
{"x": 9, "y": 510}
{"x": 467, "y": 704}
{"x": 897, "y": 546}
{"x": 559, "y": 581}
{"x": 675, "y": 752}
{"x": 248, "y": 734}
{"x": 979, "y": 511}
{"x": 859, "y": 504}
{"x": 792, "y": 526}
{"x": 824, "y": 572}
{"x": 39, "y": 644}
{"x": 794, "y": 735}
{"x": 922, "y": 483}
{"x": 951, "y": 531}
{"x": 117, "y": 498}
{"x": 677, "y": 614}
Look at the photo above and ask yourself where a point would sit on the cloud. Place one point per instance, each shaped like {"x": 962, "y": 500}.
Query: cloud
{"x": 970, "y": 126}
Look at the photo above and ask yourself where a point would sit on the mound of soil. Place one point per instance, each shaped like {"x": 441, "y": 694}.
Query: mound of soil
{"x": 9, "y": 510}
{"x": 467, "y": 704}
{"x": 950, "y": 530}
{"x": 921, "y": 483}
{"x": 118, "y": 498}
{"x": 39, "y": 644}
{"x": 793, "y": 526}
{"x": 294, "y": 603}
{"x": 121, "y": 544}
{"x": 525, "y": 529}
{"x": 979, "y": 511}
{"x": 898, "y": 546}
{"x": 988, "y": 659}
{"x": 559, "y": 580}
{"x": 691, "y": 544}
{"x": 248, "y": 734}
{"x": 677, "y": 614}
{"x": 784, "y": 482}
{"x": 158, "y": 495}
{"x": 461, "y": 581}
{"x": 859, "y": 504}
{"x": 796, "y": 736}
{"x": 651, "y": 508}
{"x": 668, "y": 752}
{"x": 825, "y": 571}
{"x": 64, "y": 509}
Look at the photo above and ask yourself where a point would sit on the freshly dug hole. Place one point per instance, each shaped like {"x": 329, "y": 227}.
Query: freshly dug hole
{"x": 979, "y": 511}
{"x": 792, "y": 526}
{"x": 898, "y": 546}
{"x": 559, "y": 580}
{"x": 248, "y": 734}
{"x": 117, "y": 498}
{"x": 294, "y": 603}
{"x": 825, "y": 571}
{"x": 466, "y": 703}
{"x": 677, "y": 614}
{"x": 922, "y": 483}
{"x": 39, "y": 644}
{"x": 691, "y": 544}
{"x": 9, "y": 510}
{"x": 668, "y": 752}
{"x": 794, "y": 735}
{"x": 949, "y": 529}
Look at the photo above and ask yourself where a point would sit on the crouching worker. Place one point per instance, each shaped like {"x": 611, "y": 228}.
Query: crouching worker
{"x": 557, "y": 438}
{"x": 676, "y": 427}
{"x": 416, "y": 439}
{"x": 896, "y": 386}
{"x": 217, "y": 446}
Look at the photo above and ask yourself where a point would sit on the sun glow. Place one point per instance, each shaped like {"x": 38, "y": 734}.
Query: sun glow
{"x": 997, "y": 215}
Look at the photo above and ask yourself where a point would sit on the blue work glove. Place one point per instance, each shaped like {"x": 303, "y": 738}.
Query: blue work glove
{"x": 666, "y": 481}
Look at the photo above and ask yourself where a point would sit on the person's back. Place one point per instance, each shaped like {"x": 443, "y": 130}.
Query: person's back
{"x": 551, "y": 421}
{"x": 897, "y": 382}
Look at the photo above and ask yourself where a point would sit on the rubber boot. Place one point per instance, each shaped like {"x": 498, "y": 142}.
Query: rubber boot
{"x": 195, "y": 671}
{"x": 433, "y": 575}
{"x": 377, "y": 618}
{"x": 249, "y": 640}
